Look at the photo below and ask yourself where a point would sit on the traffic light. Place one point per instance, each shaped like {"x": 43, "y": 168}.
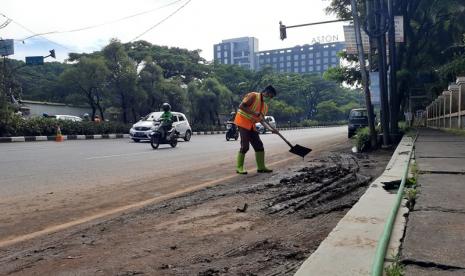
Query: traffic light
{"x": 282, "y": 31}
{"x": 52, "y": 53}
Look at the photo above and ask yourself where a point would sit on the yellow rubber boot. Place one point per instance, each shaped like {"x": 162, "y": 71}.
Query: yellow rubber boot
{"x": 260, "y": 158}
{"x": 240, "y": 164}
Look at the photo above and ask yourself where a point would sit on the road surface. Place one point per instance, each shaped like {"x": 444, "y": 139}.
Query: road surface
{"x": 48, "y": 186}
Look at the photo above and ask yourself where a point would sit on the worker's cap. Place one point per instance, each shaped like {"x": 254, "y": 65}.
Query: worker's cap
{"x": 270, "y": 89}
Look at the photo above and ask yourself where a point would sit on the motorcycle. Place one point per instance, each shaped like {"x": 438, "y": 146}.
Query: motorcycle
{"x": 231, "y": 131}
{"x": 170, "y": 138}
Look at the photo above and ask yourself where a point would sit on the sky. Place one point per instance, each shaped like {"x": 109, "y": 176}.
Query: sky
{"x": 197, "y": 24}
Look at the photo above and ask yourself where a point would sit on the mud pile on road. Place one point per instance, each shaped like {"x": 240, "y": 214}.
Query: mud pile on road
{"x": 259, "y": 224}
{"x": 324, "y": 186}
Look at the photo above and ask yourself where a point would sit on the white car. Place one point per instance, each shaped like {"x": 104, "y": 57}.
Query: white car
{"x": 66, "y": 117}
{"x": 142, "y": 129}
{"x": 270, "y": 120}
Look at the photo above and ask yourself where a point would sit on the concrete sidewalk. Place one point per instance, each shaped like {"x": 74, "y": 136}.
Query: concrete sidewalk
{"x": 434, "y": 242}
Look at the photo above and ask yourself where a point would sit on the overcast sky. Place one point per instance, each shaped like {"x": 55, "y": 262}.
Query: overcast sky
{"x": 198, "y": 25}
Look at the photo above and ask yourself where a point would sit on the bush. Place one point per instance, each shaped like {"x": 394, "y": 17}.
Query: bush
{"x": 362, "y": 139}
{"x": 18, "y": 126}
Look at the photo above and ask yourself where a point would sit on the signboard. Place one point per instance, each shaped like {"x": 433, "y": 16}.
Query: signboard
{"x": 325, "y": 39}
{"x": 351, "y": 45}
{"x": 37, "y": 60}
{"x": 6, "y": 47}
{"x": 374, "y": 88}
{"x": 399, "y": 28}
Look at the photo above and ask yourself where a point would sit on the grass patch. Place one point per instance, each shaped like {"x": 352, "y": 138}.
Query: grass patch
{"x": 395, "y": 268}
{"x": 362, "y": 139}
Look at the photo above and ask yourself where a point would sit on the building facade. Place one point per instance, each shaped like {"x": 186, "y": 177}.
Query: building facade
{"x": 240, "y": 51}
{"x": 316, "y": 58}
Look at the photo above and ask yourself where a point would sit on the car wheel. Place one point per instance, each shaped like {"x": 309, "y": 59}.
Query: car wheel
{"x": 136, "y": 140}
{"x": 263, "y": 131}
{"x": 187, "y": 136}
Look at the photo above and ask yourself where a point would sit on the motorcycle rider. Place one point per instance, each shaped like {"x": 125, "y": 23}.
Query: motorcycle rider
{"x": 166, "y": 119}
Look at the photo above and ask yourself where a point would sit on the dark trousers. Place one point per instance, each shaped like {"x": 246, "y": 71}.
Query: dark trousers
{"x": 250, "y": 137}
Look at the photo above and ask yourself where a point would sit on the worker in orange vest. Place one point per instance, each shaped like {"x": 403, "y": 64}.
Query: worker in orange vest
{"x": 251, "y": 111}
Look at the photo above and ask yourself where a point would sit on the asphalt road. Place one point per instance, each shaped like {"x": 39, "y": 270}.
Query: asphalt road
{"x": 48, "y": 183}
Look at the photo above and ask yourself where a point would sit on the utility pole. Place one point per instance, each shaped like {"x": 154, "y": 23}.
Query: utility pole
{"x": 377, "y": 28}
{"x": 361, "y": 57}
{"x": 394, "y": 96}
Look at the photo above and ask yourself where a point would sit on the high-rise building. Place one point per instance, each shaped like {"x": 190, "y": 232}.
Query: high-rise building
{"x": 240, "y": 51}
{"x": 316, "y": 58}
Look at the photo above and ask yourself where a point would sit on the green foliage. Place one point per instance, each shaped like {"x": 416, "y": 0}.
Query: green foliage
{"x": 395, "y": 268}
{"x": 403, "y": 127}
{"x": 362, "y": 139}
{"x": 18, "y": 126}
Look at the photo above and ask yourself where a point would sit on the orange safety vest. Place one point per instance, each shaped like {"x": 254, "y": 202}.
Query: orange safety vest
{"x": 247, "y": 120}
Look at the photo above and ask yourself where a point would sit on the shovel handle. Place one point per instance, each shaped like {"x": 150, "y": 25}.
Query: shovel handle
{"x": 264, "y": 122}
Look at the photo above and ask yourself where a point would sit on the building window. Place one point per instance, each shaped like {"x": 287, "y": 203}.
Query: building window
{"x": 275, "y": 59}
{"x": 296, "y": 70}
{"x": 262, "y": 61}
{"x": 218, "y": 48}
{"x": 334, "y": 60}
{"x": 318, "y": 55}
{"x": 304, "y": 70}
{"x": 218, "y": 54}
{"x": 288, "y": 57}
{"x": 325, "y": 53}
{"x": 310, "y": 55}
{"x": 333, "y": 53}
{"x": 325, "y": 60}
{"x": 310, "y": 68}
{"x": 288, "y": 64}
{"x": 296, "y": 63}
{"x": 318, "y": 68}
{"x": 225, "y": 61}
{"x": 318, "y": 61}
{"x": 310, "y": 62}
{"x": 325, "y": 67}
{"x": 296, "y": 57}
{"x": 281, "y": 65}
{"x": 225, "y": 54}
{"x": 302, "y": 63}
{"x": 302, "y": 56}
{"x": 267, "y": 60}
{"x": 281, "y": 58}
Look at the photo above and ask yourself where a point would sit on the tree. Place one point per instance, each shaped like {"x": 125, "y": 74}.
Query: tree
{"x": 122, "y": 77}
{"x": 88, "y": 77}
{"x": 328, "y": 111}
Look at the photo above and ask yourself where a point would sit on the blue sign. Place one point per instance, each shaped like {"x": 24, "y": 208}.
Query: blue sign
{"x": 6, "y": 47}
{"x": 374, "y": 88}
{"x": 37, "y": 60}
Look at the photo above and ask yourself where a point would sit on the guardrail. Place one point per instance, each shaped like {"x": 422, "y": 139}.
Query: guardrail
{"x": 448, "y": 109}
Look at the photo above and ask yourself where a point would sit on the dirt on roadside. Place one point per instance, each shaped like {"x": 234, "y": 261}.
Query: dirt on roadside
{"x": 252, "y": 225}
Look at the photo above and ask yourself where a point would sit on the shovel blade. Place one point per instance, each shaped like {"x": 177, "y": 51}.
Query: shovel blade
{"x": 300, "y": 150}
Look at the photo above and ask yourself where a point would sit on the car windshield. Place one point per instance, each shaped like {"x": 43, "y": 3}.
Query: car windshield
{"x": 358, "y": 113}
{"x": 152, "y": 117}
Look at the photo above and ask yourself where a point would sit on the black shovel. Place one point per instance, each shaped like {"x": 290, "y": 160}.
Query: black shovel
{"x": 297, "y": 149}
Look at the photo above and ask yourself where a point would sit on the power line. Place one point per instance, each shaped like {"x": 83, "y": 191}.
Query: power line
{"x": 160, "y": 22}
{"x": 104, "y": 23}
{"x": 32, "y": 32}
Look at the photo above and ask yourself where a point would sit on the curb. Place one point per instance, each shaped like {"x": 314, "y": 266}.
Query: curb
{"x": 116, "y": 136}
{"x": 66, "y": 137}
{"x": 355, "y": 238}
